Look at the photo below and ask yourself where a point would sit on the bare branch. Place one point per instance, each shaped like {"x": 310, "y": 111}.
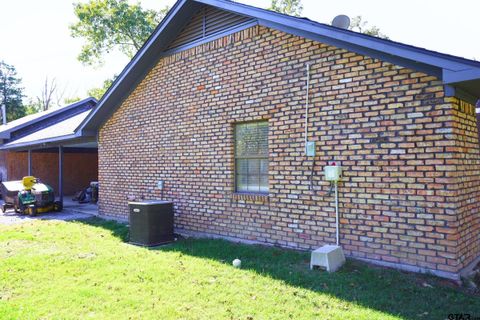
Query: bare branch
{"x": 46, "y": 100}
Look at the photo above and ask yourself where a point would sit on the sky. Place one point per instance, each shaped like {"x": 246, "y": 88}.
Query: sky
{"x": 35, "y": 38}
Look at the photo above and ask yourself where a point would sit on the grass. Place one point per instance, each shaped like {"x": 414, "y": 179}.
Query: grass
{"x": 72, "y": 270}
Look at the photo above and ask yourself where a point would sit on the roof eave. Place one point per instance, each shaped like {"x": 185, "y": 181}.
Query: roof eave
{"x": 33, "y": 144}
{"x": 7, "y": 133}
{"x": 47, "y": 143}
{"x": 327, "y": 31}
{"x": 460, "y": 76}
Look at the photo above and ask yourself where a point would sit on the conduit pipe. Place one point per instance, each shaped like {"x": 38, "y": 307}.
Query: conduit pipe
{"x": 306, "y": 104}
{"x": 337, "y": 225}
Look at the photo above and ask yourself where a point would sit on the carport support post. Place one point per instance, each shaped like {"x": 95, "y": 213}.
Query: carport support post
{"x": 60, "y": 173}
{"x": 29, "y": 162}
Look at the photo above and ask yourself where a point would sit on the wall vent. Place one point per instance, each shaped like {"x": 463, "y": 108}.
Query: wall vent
{"x": 206, "y": 22}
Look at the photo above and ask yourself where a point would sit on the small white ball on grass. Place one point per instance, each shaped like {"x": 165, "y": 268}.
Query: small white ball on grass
{"x": 237, "y": 263}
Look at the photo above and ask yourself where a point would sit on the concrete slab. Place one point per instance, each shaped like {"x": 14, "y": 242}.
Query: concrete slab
{"x": 75, "y": 207}
{"x": 71, "y": 211}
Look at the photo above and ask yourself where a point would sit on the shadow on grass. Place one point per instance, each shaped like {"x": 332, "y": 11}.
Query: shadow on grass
{"x": 117, "y": 229}
{"x": 394, "y": 292}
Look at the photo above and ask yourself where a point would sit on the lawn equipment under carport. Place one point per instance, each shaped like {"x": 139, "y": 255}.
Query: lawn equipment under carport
{"x": 29, "y": 196}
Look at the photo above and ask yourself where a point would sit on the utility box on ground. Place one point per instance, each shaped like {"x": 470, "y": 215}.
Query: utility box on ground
{"x": 151, "y": 222}
{"x": 328, "y": 257}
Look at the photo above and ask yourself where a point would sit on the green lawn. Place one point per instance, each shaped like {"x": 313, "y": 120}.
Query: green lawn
{"x": 78, "y": 270}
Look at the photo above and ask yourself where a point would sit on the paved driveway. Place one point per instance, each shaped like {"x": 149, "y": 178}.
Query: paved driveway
{"x": 69, "y": 213}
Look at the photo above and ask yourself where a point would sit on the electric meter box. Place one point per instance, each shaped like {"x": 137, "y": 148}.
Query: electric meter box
{"x": 310, "y": 148}
{"x": 333, "y": 173}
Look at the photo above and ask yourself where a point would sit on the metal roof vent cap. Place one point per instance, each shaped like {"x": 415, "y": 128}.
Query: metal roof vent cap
{"x": 341, "y": 21}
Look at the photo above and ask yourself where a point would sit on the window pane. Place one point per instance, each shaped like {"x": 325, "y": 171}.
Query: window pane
{"x": 251, "y": 140}
{"x": 254, "y": 183}
{"x": 242, "y": 183}
{"x": 262, "y": 138}
{"x": 242, "y": 166}
{"x": 264, "y": 166}
{"x": 239, "y": 140}
{"x": 254, "y": 166}
{"x": 246, "y": 140}
{"x": 263, "y": 183}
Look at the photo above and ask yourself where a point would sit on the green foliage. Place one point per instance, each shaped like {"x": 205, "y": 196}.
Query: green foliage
{"x": 33, "y": 106}
{"x": 112, "y": 24}
{"x": 357, "y": 24}
{"x": 290, "y": 7}
{"x": 71, "y": 100}
{"x": 31, "y": 109}
{"x": 11, "y": 92}
{"x": 84, "y": 269}
{"x": 37, "y": 105}
{"x": 98, "y": 93}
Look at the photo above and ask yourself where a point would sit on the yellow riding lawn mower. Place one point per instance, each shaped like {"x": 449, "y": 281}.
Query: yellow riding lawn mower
{"x": 29, "y": 196}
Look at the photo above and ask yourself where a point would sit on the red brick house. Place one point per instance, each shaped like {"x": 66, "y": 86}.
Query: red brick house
{"x": 214, "y": 105}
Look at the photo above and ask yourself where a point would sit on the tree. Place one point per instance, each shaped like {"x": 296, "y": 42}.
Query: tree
{"x": 112, "y": 24}
{"x": 51, "y": 95}
{"x": 46, "y": 97}
{"x": 11, "y": 92}
{"x": 98, "y": 93}
{"x": 357, "y": 24}
{"x": 290, "y": 7}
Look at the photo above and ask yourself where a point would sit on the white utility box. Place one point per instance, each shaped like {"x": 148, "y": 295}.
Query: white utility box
{"x": 310, "y": 148}
{"x": 329, "y": 257}
{"x": 333, "y": 173}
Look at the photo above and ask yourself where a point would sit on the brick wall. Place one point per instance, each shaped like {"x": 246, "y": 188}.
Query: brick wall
{"x": 79, "y": 169}
{"x": 391, "y": 128}
{"x": 465, "y": 168}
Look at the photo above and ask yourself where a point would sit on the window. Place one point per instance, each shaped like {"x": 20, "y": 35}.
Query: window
{"x": 251, "y": 157}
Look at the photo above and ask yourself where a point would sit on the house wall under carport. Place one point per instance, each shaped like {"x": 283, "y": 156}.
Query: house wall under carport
{"x": 80, "y": 167}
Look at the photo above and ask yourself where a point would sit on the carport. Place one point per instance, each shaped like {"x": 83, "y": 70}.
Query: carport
{"x": 67, "y": 159}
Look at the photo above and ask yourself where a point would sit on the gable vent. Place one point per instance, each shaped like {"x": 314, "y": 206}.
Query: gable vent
{"x": 207, "y": 22}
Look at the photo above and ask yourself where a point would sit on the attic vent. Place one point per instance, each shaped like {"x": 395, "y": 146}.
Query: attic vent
{"x": 208, "y": 21}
